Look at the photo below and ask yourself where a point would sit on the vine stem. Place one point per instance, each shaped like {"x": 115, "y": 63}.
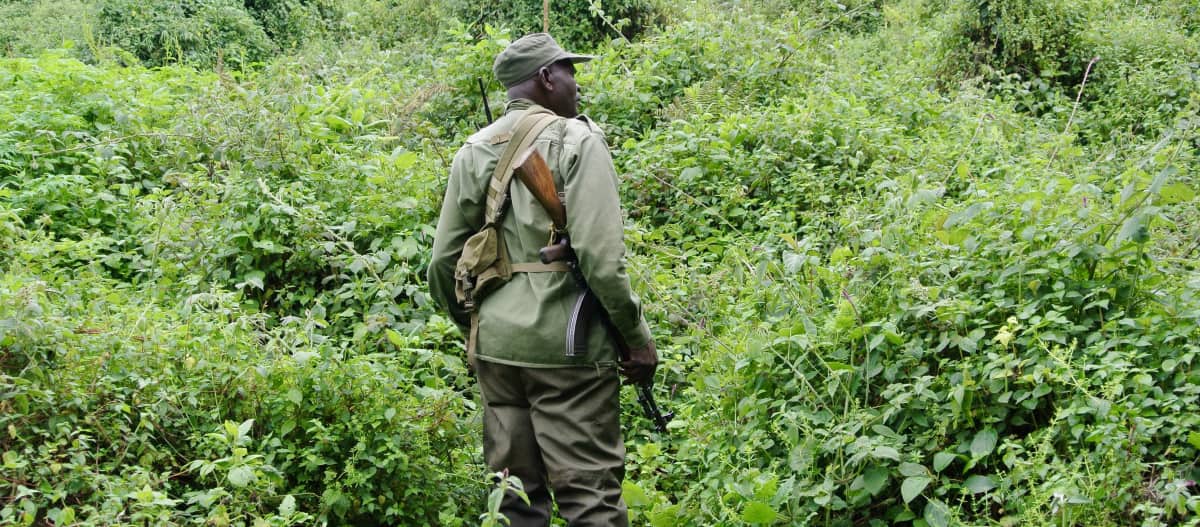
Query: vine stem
{"x": 545, "y": 16}
{"x": 1075, "y": 108}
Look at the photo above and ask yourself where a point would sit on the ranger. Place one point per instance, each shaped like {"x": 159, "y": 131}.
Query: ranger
{"x": 551, "y": 406}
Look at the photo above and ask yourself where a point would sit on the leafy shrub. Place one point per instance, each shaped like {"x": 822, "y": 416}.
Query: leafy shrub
{"x": 197, "y": 32}
{"x": 290, "y": 23}
{"x": 1147, "y": 62}
{"x": 392, "y": 23}
{"x": 83, "y": 143}
{"x": 1032, "y": 39}
{"x": 103, "y": 416}
{"x": 857, "y": 16}
{"x": 579, "y": 25}
{"x": 27, "y": 27}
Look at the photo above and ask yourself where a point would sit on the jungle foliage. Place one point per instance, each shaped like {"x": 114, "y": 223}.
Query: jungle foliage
{"x": 916, "y": 262}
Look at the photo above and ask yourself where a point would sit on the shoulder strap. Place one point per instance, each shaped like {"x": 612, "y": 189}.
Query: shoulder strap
{"x": 528, "y": 128}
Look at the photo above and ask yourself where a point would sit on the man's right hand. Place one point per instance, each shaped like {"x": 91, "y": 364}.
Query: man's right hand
{"x": 642, "y": 362}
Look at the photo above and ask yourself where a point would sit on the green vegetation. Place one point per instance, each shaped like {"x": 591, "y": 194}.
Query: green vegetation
{"x": 917, "y": 262}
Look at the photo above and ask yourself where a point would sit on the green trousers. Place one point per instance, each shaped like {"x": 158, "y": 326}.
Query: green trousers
{"x": 559, "y": 430}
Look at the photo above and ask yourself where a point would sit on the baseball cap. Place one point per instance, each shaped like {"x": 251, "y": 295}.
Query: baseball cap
{"x": 528, "y": 54}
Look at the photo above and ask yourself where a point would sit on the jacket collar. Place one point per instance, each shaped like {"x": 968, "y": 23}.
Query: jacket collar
{"x": 517, "y": 105}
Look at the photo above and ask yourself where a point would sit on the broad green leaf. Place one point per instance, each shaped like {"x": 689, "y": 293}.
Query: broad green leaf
{"x": 241, "y": 475}
{"x": 912, "y": 487}
{"x": 839, "y": 366}
{"x": 886, "y": 452}
{"x": 254, "y": 278}
{"x": 840, "y": 255}
{"x": 243, "y": 429}
{"x": 394, "y": 338}
{"x": 977, "y": 484}
{"x": 1127, "y": 192}
{"x": 921, "y": 197}
{"x": 984, "y": 442}
{"x": 667, "y": 516}
{"x": 403, "y": 160}
{"x": 758, "y": 512}
{"x": 965, "y": 215}
{"x": 690, "y": 173}
{"x": 937, "y": 514}
{"x": 793, "y": 262}
{"x": 800, "y": 457}
{"x": 287, "y": 507}
{"x": 634, "y": 495}
{"x": 295, "y": 396}
{"x": 941, "y": 460}
{"x": 1135, "y": 229}
{"x": 1161, "y": 179}
{"x": 874, "y": 479}
{"x": 1194, "y": 439}
{"x": 1176, "y": 193}
{"x": 913, "y": 469}
{"x": 767, "y": 488}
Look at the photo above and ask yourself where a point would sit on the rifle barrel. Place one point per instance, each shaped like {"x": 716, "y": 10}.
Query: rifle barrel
{"x": 487, "y": 108}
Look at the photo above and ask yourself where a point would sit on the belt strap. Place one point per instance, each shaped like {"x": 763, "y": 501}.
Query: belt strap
{"x": 472, "y": 338}
{"x": 538, "y": 267}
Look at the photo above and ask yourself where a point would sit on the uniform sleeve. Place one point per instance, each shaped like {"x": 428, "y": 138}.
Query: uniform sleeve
{"x": 597, "y": 235}
{"x": 453, "y": 229}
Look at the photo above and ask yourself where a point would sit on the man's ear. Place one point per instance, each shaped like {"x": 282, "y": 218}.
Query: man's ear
{"x": 544, "y": 78}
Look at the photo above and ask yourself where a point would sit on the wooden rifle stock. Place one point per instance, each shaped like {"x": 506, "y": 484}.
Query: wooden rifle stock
{"x": 536, "y": 176}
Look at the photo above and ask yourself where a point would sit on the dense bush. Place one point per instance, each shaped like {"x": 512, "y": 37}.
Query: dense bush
{"x": 27, "y": 27}
{"x": 407, "y": 23}
{"x": 198, "y": 32}
{"x": 1149, "y": 62}
{"x": 579, "y": 24}
{"x": 291, "y": 22}
{"x": 119, "y": 409}
{"x": 1030, "y": 38}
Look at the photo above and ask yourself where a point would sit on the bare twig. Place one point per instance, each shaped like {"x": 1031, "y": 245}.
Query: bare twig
{"x": 1075, "y": 108}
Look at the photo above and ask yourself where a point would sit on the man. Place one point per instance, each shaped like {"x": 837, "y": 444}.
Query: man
{"x": 551, "y": 416}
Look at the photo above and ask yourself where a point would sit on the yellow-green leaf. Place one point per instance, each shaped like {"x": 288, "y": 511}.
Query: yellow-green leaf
{"x": 758, "y": 512}
{"x": 634, "y": 495}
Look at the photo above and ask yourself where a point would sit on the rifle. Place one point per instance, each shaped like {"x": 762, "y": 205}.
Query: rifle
{"x": 535, "y": 175}
{"x": 487, "y": 109}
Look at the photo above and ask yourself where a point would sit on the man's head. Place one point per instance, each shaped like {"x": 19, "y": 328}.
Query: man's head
{"x": 534, "y": 67}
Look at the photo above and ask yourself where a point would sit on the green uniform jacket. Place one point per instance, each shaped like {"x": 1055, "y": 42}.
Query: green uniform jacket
{"x": 524, "y": 322}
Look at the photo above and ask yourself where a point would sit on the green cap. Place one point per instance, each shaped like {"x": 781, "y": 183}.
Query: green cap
{"x": 528, "y": 54}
